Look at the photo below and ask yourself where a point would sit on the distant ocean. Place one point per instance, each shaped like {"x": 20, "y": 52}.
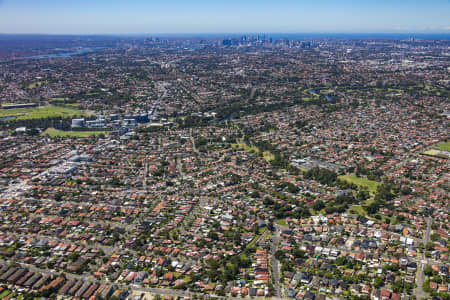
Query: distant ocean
{"x": 425, "y": 36}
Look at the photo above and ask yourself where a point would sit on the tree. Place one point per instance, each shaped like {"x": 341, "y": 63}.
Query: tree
{"x": 323, "y": 176}
{"x": 115, "y": 181}
{"x": 213, "y": 235}
{"x": 429, "y": 246}
{"x": 428, "y": 271}
{"x": 279, "y": 255}
{"x": 398, "y": 286}
{"x": 362, "y": 195}
{"x": 434, "y": 237}
{"x": 244, "y": 261}
{"x": 299, "y": 253}
{"x": 372, "y": 208}
{"x": 399, "y": 218}
{"x": 270, "y": 226}
{"x": 235, "y": 179}
{"x": 318, "y": 205}
{"x": 378, "y": 282}
{"x": 59, "y": 195}
{"x": 341, "y": 260}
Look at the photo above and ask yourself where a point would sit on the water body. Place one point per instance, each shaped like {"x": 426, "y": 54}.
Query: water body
{"x": 80, "y": 51}
{"x": 300, "y": 36}
{"x": 425, "y": 36}
{"x": 8, "y": 117}
{"x": 214, "y": 122}
{"x": 314, "y": 92}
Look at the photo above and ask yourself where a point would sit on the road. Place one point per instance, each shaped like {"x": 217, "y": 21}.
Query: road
{"x": 252, "y": 93}
{"x": 180, "y": 167}
{"x": 274, "y": 262}
{"x": 426, "y": 238}
{"x": 418, "y": 291}
{"x": 193, "y": 142}
{"x": 144, "y": 180}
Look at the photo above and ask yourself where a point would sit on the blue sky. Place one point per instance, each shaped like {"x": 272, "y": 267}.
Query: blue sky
{"x": 224, "y": 16}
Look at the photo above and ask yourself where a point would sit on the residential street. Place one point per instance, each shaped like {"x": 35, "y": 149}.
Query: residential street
{"x": 421, "y": 263}
{"x": 274, "y": 261}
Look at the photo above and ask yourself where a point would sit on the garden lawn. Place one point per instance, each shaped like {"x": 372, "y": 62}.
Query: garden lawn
{"x": 281, "y": 222}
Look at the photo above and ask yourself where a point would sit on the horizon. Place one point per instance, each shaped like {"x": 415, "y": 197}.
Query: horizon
{"x": 139, "y": 17}
{"x": 239, "y": 34}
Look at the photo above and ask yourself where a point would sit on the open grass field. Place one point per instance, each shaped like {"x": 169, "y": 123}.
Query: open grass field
{"x": 394, "y": 90}
{"x": 35, "y": 84}
{"x": 70, "y": 105}
{"x": 440, "y": 150}
{"x": 52, "y": 132}
{"x": 246, "y": 147}
{"x": 361, "y": 181}
{"x": 41, "y": 112}
{"x": 281, "y": 222}
{"x": 261, "y": 230}
{"x": 358, "y": 210}
{"x": 4, "y": 294}
{"x": 432, "y": 152}
{"x": 268, "y": 156}
{"x": 326, "y": 91}
{"x": 444, "y": 146}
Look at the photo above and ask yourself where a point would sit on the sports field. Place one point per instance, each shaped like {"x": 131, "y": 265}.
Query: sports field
{"x": 52, "y": 132}
{"x": 40, "y": 112}
{"x": 444, "y": 146}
